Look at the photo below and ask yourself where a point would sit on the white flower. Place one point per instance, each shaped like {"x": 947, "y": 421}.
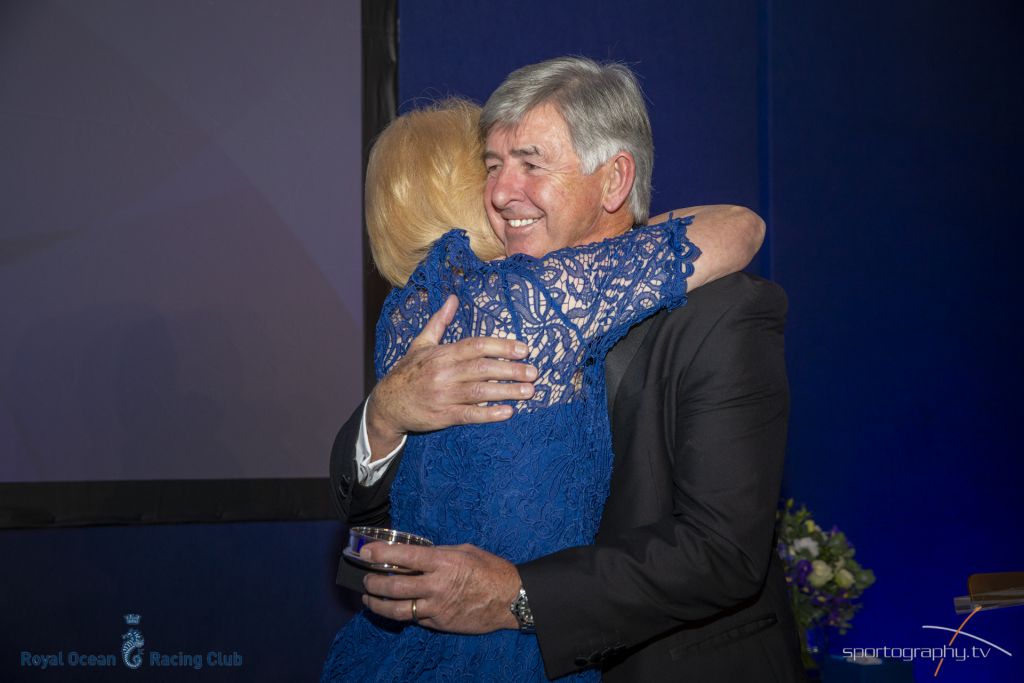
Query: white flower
{"x": 820, "y": 573}
{"x": 805, "y": 543}
{"x": 844, "y": 579}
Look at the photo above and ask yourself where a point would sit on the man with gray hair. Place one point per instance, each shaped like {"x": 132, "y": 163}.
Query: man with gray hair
{"x": 682, "y": 582}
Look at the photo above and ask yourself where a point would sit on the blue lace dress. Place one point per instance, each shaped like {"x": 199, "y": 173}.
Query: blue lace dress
{"x": 533, "y": 484}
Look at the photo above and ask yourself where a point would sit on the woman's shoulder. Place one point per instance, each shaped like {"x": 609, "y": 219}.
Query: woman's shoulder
{"x": 449, "y": 258}
{"x": 453, "y": 245}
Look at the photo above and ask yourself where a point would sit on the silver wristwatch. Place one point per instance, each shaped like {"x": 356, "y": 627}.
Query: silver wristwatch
{"x": 520, "y": 609}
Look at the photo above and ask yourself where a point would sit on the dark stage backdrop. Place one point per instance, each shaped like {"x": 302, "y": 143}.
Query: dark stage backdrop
{"x": 181, "y": 278}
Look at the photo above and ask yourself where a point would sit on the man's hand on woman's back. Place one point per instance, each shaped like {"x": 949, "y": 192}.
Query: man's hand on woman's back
{"x": 439, "y": 385}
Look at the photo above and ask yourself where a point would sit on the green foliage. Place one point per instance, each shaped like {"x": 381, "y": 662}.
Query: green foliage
{"x": 825, "y": 581}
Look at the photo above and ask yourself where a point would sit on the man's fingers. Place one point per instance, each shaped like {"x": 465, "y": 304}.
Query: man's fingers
{"x": 439, "y": 385}
{"x": 397, "y": 610}
{"x": 416, "y": 557}
{"x": 485, "y": 369}
{"x": 481, "y": 414}
{"x": 434, "y": 329}
{"x": 395, "y": 586}
{"x": 489, "y": 347}
{"x": 472, "y": 393}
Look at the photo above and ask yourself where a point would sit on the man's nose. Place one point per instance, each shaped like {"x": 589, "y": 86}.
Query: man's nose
{"x": 507, "y": 187}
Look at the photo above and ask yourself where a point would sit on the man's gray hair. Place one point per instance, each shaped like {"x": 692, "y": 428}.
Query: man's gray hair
{"x": 602, "y": 106}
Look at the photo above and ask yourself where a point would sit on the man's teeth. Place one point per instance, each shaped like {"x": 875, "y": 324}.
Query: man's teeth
{"x": 522, "y": 222}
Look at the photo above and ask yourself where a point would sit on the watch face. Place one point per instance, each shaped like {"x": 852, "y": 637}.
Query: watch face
{"x": 520, "y": 607}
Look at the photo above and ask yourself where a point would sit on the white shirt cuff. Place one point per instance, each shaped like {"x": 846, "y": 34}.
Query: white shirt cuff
{"x": 369, "y": 473}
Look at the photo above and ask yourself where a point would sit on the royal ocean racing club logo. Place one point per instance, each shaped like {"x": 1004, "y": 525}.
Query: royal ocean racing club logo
{"x": 132, "y": 642}
{"x": 132, "y": 653}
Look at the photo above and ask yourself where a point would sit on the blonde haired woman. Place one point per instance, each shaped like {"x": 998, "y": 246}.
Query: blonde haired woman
{"x": 425, "y": 176}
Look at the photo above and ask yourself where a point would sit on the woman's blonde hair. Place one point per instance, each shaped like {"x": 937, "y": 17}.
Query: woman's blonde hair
{"x": 425, "y": 176}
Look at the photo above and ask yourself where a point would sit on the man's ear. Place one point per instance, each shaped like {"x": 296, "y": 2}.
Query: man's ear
{"x": 621, "y": 171}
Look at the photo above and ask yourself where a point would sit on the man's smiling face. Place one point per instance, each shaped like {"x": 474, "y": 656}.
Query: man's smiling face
{"x": 537, "y": 197}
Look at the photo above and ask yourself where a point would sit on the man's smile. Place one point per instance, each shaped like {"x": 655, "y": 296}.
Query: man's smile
{"x": 521, "y": 222}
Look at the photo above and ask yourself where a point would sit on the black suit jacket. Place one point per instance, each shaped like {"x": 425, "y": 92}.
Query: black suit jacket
{"x": 682, "y": 582}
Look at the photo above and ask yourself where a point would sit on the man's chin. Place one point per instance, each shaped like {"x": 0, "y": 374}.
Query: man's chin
{"x": 525, "y": 249}
{"x": 530, "y": 239}
{"x": 526, "y": 244}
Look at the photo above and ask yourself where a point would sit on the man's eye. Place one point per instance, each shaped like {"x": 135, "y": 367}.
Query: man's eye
{"x": 529, "y": 166}
{"x": 491, "y": 170}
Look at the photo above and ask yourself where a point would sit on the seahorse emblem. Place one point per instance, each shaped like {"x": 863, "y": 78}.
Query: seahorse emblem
{"x": 131, "y": 648}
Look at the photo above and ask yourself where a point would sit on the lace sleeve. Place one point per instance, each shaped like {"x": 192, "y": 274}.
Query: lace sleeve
{"x": 611, "y": 285}
{"x": 404, "y": 314}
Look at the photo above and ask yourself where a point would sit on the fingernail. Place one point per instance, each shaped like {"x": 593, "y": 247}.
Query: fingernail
{"x": 366, "y": 600}
{"x": 526, "y": 389}
{"x": 531, "y": 372}
{"x": 521, "y": 348}
{"x": 366, "y": 554}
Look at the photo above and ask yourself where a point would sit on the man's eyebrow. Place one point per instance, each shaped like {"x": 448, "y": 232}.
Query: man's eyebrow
{"x": 530, "y": 151}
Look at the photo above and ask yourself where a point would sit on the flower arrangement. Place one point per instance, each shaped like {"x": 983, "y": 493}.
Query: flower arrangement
{"x": 825, "y": 582}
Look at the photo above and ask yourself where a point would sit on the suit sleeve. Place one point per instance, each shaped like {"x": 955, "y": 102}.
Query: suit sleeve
{"x": 355, "y": 504}
{"x": 725, "y": 431}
